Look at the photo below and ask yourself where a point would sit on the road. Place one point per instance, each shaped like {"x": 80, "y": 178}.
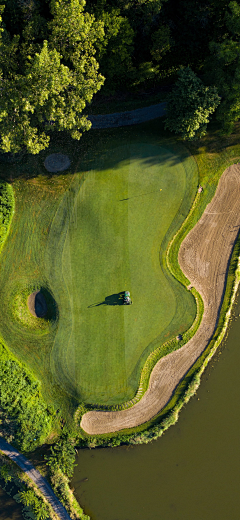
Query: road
{"x": 130, "y": 117}
{"x": 36, "y": 477}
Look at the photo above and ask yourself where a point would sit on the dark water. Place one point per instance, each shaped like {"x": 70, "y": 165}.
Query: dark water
{"x": 192, "y": 472}
{"x": 9, "y": 509}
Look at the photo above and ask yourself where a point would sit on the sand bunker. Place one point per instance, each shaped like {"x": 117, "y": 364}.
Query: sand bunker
{"x": 203, "y": 258}
{"x": 57, "y": 162}
{"x": 37, "y": 304}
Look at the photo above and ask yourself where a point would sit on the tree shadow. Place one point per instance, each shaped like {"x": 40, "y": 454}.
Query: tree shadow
{"x": 113, "y": 299}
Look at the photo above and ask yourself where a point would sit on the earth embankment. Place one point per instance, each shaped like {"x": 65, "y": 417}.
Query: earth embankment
{"x": 203, "y": 257}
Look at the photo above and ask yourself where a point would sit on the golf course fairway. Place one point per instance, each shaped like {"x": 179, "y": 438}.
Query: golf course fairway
{"x": 107, "y": 233}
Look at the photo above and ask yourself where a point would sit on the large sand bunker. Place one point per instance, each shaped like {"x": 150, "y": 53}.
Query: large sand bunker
{"x": 204, "y": 256}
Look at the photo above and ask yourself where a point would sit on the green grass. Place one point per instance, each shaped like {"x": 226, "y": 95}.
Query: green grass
{"x": 46, "y": 221}
{"x": 76, "y": 238}
{"x": 212, "y": 154}
{"x": 112, "y": 243}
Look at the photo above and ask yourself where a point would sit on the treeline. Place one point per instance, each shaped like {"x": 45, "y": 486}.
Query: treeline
{"x": 55, "y": 55}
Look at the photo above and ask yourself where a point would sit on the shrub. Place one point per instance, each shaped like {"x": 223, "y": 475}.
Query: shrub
{"x": 189, "y": 105}
{"x": 21, "y": 400}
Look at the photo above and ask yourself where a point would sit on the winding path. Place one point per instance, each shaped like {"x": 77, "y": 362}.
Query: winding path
{"x": 203, "y": 257}
{"x": 34, "y": 475}
{"x": 130, "y": 117}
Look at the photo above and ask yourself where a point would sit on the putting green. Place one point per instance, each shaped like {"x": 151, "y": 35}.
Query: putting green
{"x": 112, "y": 241}
{"x": 86, "y": 242}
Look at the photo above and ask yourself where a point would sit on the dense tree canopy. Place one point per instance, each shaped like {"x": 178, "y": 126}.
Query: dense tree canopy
{"x": 223, "y": 67}
{"x": 55, "y": 54}
{"x": 189, "y": 105}
{"x": 48, "y": 72}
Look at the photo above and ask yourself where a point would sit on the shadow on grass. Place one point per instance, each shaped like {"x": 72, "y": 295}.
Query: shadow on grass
{"x": 113, "y": 299}
{"x": 52, "y": 309}
{"x": 92, "y": 152}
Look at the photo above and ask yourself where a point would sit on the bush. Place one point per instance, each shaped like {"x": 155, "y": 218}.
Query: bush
{"x": 20, "y": 399}
{"x": 29, "y": 498}
{"x": 189, "y": 105}
{"x": 62, "y": 457}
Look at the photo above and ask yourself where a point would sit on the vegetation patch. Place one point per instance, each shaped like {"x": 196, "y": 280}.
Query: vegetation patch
{"x": 21, "y": 401}
{"x": 24, "y": 491}
{"x": 61, "y": 463}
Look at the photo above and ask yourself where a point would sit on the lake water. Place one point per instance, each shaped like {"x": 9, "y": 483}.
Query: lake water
{"x": 192, "y": 472}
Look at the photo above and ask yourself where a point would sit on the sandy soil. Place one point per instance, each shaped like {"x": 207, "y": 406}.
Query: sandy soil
{"x": 37, "y": 304}
{"x": 204, "y": 256}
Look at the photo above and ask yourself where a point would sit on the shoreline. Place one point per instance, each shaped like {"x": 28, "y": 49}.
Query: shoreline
{"x": 163, "y": 380}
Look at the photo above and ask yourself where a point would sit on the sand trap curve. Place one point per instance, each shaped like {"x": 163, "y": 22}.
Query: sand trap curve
{"x": 203, "y": 257}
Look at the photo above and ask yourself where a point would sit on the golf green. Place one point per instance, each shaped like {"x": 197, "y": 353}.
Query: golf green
{"x": 86, "y": 240}
{"x": 120, "y": 217}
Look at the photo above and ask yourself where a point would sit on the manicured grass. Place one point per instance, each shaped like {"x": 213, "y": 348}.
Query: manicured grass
{"x": 76, "y": 237}
{"x": 119, "y": 221}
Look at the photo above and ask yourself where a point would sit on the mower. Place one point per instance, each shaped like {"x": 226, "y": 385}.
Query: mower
{"x": 126, "y": 299}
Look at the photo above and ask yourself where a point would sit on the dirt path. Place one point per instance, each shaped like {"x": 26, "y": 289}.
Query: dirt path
{"x": 34, "y": 475}
{"x": 130, "y": 117}
{"x": 203, "y": 257}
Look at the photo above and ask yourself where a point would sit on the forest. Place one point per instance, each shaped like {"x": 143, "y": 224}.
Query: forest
{"x": 56, "y": 56}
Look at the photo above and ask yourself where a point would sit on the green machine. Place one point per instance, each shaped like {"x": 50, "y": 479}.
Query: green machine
{"x": 126, "y": 299}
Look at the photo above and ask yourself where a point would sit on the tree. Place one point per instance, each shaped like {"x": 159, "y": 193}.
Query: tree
{"x": 114, "y": 52}
{"x": 48, "y": 73}
{"x": 62, "y": 457}
{"x": 30, "y": 499}
{"x": 223, "y": 68}
{"x": 189, "y": 105}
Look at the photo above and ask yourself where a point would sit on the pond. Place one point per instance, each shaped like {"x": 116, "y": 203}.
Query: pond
{"x": 191, "y": 472}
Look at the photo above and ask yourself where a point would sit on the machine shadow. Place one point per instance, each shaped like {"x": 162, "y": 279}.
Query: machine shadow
{"x": 113, "y": 299}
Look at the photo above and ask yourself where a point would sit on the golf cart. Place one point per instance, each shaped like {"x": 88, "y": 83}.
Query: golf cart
{"x": 126, "y": 299}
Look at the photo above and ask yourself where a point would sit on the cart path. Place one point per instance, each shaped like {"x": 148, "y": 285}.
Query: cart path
{"x": 34, "y": 475}
{"x": 203, "y": 257}
{"x": 130, "y": 117}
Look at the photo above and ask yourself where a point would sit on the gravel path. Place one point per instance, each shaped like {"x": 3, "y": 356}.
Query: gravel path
{"x": 131, "y": 117}
{"x": 203, "y": 257}
{"x": 34, "y": 475}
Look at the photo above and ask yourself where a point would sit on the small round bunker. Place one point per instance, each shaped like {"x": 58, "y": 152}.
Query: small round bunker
{"x": 37, "y": 304}
{"x": 57, "y": 162}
